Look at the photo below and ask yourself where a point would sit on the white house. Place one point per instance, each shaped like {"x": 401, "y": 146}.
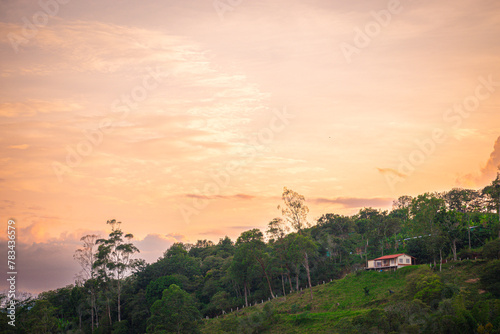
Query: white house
{"x": 391, "y": 261}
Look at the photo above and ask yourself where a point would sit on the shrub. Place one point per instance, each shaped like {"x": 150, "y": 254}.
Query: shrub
{"x": 371, "y": 321}
{"x": 425, "y": 286}
{"x": 492, "y": 250}
{"x": 489, "y": 278}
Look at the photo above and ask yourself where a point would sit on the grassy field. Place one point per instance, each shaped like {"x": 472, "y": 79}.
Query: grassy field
{"x": 337, "y": 303}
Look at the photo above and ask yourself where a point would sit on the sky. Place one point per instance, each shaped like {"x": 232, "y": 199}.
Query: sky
{"x": 184, "y": 120}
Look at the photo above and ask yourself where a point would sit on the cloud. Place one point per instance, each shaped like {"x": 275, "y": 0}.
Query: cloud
{"x": 19, "y": 147}
{"x": 50, "y": 265}
{"x": 45, "y": 265}
{"x": 237, "y": 196}
{"x": 352, "y": 202}
{"x": 219, "y": 233}
{"x": 391, "y": 171}
{"x": 487, "y": 173}
{"x": 34, "y": 107}
{"x": 154, "y": 245}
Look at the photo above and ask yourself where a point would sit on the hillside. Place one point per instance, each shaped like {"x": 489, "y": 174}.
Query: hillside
{"x": 193, "y": 283}
{"x": 342, "y": 306}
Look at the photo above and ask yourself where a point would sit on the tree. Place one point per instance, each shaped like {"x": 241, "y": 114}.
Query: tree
{"x": 489, "y": 278}
{"x": 333, "y": 232}
{"x": 493, "y": 191}
{"x": 241, "y": 271}
{"x": 41, "y": 317}
{"x": 155, "y": 288}
{"x": 300, "y": 247}
{"x": 85, "y": 256}
{"x": 461, "y": 200}
{"x": 176, "y": 312}
{"x": 492, "y": 250}
{"x": 425, "y": 209}
{"x": 295, "y": 212}
{"x": 277, "y": 229}
{"x": 114, "y": 257}
{"x": 276, "y": 232}
{"x": 452, "y": 228}
{"x": 225, "y": 247}
{"x": 251, "y": 242}
{"x": 294, "y": 209}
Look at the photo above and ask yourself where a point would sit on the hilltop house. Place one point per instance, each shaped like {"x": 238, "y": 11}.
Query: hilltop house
{"x": 394, "y": 261}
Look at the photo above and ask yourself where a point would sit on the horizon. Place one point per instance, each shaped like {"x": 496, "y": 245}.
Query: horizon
{"x": 185, "y": 121}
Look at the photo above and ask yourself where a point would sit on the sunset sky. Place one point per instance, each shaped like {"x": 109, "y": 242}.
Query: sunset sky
{"x": 184, "y": 120}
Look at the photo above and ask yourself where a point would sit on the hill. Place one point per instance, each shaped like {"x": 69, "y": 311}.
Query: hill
{"x": 410, "y": 300}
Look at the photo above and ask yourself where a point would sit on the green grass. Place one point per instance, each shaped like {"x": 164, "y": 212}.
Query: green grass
{"x": 336, "y": 303}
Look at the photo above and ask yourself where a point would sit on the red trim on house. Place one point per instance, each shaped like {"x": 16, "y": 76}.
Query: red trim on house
{"x": 387, "y": 257}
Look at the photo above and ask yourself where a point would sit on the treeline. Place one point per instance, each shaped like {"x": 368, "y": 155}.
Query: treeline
{"x": 116, "y": 293}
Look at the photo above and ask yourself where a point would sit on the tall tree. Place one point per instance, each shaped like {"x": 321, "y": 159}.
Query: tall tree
{"x": 425, "y": 209}
{"x": 294, "y": 209}
{"x": 333, "y": 232}
{"x": 295, "y": 212}
{"x": 85, "y": 256}
{"x": 114, "y": 257}
{"x": 401, "y": 209}
{"x": 493, "y": 191}
{"x": 252, "y": 243}
{"x": 300, "y": 248}
{"x": 242, "y": 270}
{"x": 277, "y": 230}
{"x": 453, "y": 225}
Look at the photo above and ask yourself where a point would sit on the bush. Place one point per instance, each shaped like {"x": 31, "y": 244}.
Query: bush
{"x": 492, "y": 250}
{"x": 372, "y": 321}
{"x": 425, "y": 286}
{"x": 257, "y": 321}
{"x": 120, "y": 327}
{"x": 489, "y": 278}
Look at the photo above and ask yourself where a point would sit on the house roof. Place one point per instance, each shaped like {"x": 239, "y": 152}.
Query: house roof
{"x": 390, "y": 257}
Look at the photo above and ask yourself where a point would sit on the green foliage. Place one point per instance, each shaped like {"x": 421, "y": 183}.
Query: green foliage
{"x": 257, "y": 322}
{"x": 41, "y": 318}
{"x": 221, "y": 301}
{"x": 374, "y": 321}
{"x": 120, "y": 327}
{"x": 302, "y": 318}
{"x": 490, "y": 278}
{"x": 176, "y": 312}
{"x": 425, "y": 286}
{"x": 295, "y": 309}
{"x": 214, "y": 277}
{"x": 154, "y": 290}
{"x": 492, "y": 250}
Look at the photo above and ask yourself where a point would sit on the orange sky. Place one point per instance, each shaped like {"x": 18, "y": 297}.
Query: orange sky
{"x": 185, "y": 120}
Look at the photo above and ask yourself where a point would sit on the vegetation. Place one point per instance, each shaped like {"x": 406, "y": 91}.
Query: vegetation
{"x": 298, "y": 276}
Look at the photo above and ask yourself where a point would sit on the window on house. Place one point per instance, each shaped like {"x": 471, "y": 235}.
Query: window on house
{"x": 407, "y": 260}
{"x": 400, "y": 260}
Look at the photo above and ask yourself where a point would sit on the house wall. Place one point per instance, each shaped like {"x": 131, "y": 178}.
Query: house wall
{"x": 406, "y": 260}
